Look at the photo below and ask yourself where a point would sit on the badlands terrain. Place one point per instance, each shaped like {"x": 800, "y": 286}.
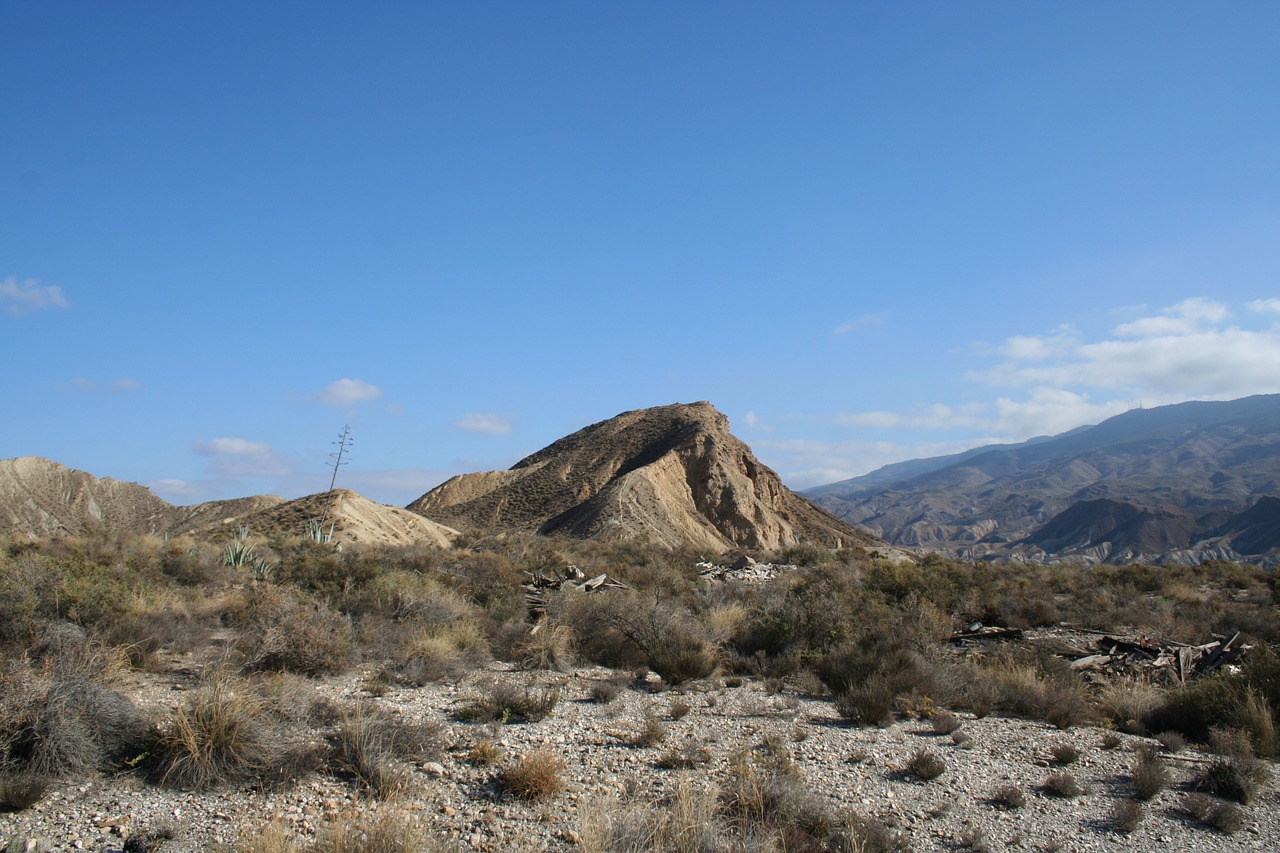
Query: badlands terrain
{"x": 634, "y": 639}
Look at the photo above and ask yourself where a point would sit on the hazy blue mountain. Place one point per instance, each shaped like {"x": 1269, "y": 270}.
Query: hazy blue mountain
{"x": 1186, "y": 473}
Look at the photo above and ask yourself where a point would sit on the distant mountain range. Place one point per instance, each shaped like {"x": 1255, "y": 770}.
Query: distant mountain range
{"x": 1180, "y": 484}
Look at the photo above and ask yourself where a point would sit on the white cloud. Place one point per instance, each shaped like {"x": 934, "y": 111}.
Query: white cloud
{"x": 175, "y": 490}
{"x": 121, "y": 385}
{"x": 346, "y": 392}
{"x": 1050, "y": 383}
{"x": 239, "y": 457}
{"x": 921, "y": 416}
{"x": 82, "y": 384}
{"x": 30, "y": 295}
{"x": 752, "y": 420}
{"x": 1185, "y": 317}
{"x": 232, "y": 447}
{"x": 861, "y": 322}
{"x": 484, "y": 422}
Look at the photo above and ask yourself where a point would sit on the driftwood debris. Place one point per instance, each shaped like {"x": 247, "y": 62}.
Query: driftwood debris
{"x": 1091, "y": 651}
{"x": 539, "y": 582}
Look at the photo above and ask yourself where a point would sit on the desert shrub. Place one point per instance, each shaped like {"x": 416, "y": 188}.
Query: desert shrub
{"x": 389, "y": 830}
{"x": 595, "y": 622}
{"x": 28, "y": 582}
{"x": 503, "y": 701}
{"x": 678, "y": 709}
{"x": 1126, "y": 816}
{"x": 684, "y": 821}
{"x": 1256, "y": 716}
{"x": 366, "y": 748}
{"x": 772, "y": 801}
{"x": 21, "y": 791}
{"x": 604, "y": 692}
{"x": 944, "y": 723}
{"x": 151, "y": 623}
{"x": 1111, "y": 740}
{"x": 1224, "y": 817}
{"x": 549, "y": 646}
{"x": 291, "y": 632}
{"x": 223, "y": 733}
{"x": 151, "y": 839}
{"x": 684, "y": 757}
{"x": 1042, "y": 689}
{"x": 1063, "y": 785}
{"x": 537, "y": 775}
{"x": 1172, "y": 741}
{"x": 484, "y": 753}
{"x": 1235, "y": 772}
{"x": 666, "y": 636}
{"x": 1064, "y": 753}
{"x": 294, "y": 699}
{"x": 806, "y": 554}
{"x": 1195, "y": 708}
{"x": 1009, "y": 797}
{"x": 651, "y": 731}
{"x": 1150, "y": 776}
{"x": 56, "y": 727}
{"x": 925, "y": 765}
{"x": 441, "y": 652}
{"x": 868, "y": 704}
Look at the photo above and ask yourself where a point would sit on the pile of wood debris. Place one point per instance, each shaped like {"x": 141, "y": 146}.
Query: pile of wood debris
{"x": 539, "y": 582}
{"x": 1111, "y": 653}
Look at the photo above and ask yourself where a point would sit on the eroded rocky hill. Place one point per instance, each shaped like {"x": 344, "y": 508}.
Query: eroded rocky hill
{"x": 674, "y": 475}
{"x": 39, "y": 497}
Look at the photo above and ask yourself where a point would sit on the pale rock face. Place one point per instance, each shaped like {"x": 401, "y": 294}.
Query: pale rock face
{"x": 39, "y": 497}
{"x": 674, "y": 475}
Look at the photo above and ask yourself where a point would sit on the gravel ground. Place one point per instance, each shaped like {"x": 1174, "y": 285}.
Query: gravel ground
{"x": 857, "y": 769}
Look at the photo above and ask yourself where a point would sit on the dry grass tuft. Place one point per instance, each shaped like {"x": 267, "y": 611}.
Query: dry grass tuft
{"x": 1150, "y": 776}
{"x": 1009, "y": 797}
{"x": 1063, "y": 785}
{"x": 925, "y": 765}
{"x": 536, "y": 775}
{"x": 223, "y": 733}
{"x": 1126, "y": 816}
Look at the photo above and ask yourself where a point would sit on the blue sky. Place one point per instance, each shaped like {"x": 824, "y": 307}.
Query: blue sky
{"x": 865, "y": 231}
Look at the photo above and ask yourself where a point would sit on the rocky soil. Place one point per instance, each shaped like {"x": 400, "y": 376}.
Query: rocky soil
{"x": 858, "y": 769}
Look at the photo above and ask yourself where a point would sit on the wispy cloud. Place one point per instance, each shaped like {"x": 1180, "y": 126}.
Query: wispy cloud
{"x": 346, "y": 392}
{"x": 119, "y": 386}
{"x": 862, "y": 322}
{"x": 485, "y": 423}
{"x": 23, "y": 297}
{"x": 752, "y": 420}
{"x": 241, "y": 457}
{"x": 1048, "y": 383}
